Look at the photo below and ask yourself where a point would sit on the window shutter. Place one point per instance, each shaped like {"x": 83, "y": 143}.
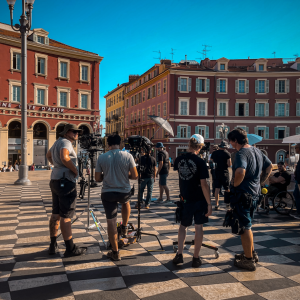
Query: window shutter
{"x": 267, "y": 110}
{"x": 298, "y": 109}
{"x": 247, "y": 109}
{"x": 247, "y": 86}
{"x": 276, "y": 133}
{"x": 256, "y": 130}
{"x": 34, "y": 37}
{"x": 298, "y": 86}
{"x": 178, "y": 131}
{"x": 197, "y": 85}
{"x": 256, "y": 86}
{"x": 190, "y": 84}
{"x": 179, "y": 82}
{"x": 287, "y": 85}
{"x": 236, "y": 86}
{"x": 206, "y": 132}
{"x": 277, "y": 86}
{"x": 217, "y": 132}
{"x": 207, "y": 85}
{"x": 150, "y": 93}
{"x": 287, "y": 109}
{"x": 276, "y": 109}
{"x": 46, "y": 41}
{"x": 297, "y": 130}
{"x": 218, "y": 85}
{"x": 256, "y": 109}
{"x": 267, "y": 133}
{"x": 287, "y": 131}
{"x": 267, "y": 86}
{"x": 247, "y": 129}
{"x": 196, "y": 129}
{"x": 236, "y": 109}
{"x": 189, "y": 131}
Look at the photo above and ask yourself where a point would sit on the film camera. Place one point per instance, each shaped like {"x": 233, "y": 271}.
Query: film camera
{"x": 136, "y": 144}
{"x": 90, "y": 141}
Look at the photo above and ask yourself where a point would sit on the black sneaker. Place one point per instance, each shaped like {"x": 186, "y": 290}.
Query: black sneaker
{"x": 178, "y": 259}
{"x": 53, "y": 249}
{"x": 75, "y": 252}
{"x": 217, "y": 207}
{"x": 244, "y": 263}
{"x": 254, "y": 255}
{"x": 196, "y": 262}
{"x": 113, "y": 255}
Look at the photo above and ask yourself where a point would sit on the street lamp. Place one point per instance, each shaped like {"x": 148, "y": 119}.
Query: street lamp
{"x": 23, "y": 28}
{"x": 223, "y": 130}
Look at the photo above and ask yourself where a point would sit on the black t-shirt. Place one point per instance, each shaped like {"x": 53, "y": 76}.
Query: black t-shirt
{"x": 164, "y": 157}
{"x": 220, "y": 157}
{"x": 191, "y": 169}
{"x": 297, "y": 172}
{"x": 286, "y": 176}
{"x": 148, "y": 163}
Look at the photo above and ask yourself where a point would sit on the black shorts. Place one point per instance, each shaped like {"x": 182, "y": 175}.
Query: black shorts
{"x": 110, "y": 202}
{"x": 221, "y": 179}
{"x": 63, "y": 198}
{"x": 196, "y": 211}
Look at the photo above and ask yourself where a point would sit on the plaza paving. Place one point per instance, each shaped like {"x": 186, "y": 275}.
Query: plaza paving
{"x": 28, "y": 272}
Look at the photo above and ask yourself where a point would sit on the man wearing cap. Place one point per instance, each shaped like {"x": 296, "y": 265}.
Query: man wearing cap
{"x": 222, "y": 160}
{"x": 63, "y": 187}
{"x": 194, "y": 195}
{"x": 163, "y": 171}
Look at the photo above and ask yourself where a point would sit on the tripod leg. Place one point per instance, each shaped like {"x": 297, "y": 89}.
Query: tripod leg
{"x": 94, "y": 218}
{"x": 152, "y": 234}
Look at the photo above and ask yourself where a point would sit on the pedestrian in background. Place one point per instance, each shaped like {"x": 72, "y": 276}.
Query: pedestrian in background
{"x": 16, "y": 166}
{"x": 4, "y": 168}
{"x": 213, "y": 169}
{"x": 296, "y": 192}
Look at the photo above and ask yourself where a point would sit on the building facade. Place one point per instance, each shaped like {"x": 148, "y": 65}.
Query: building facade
{"x": 62, "y": 87}
{"x": 260, "y": 95}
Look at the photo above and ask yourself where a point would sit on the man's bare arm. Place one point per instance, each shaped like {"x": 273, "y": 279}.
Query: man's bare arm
{"x": 205, "y": 190}
{"x": 99, "y": 176}
{"x": 265, "y": 174}
{"x": 239, "y": 176}
{"x": 133, "y": 173}
{"x": 49, "y": 157}
{"x": 66, "y": 160}
{"x": 160, "y": 165}
{"x": 229, "y": 162}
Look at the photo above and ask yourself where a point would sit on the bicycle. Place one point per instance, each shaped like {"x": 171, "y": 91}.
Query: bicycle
{"x": 264, "y": 202}
{"x": 284, "y": 202}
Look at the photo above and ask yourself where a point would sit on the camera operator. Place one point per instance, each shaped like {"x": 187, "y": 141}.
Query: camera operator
{"x": 212, "y": 169}
{"x": 63, "y": 187}
{"x": 163, "y": 172}
{"x": 115, "y": 168}
{"x": 195, "y": 198}
{"x": 148, "y": 173}
{"x": 222, "y": 159}
{"x": 250, "y": 170}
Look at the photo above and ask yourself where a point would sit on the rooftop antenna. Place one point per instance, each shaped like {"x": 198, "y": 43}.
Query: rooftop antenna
{"x": 296, "y": 55}
{"x": 172, "y": 53}
{"x": 159, "y": 55}
{"x": 204, "y": 53}
{"x": 274, "y": 53}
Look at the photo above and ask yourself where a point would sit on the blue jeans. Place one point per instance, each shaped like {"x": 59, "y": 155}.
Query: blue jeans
{"x": 149, "y": 183}
{"x": 296, "y": 194}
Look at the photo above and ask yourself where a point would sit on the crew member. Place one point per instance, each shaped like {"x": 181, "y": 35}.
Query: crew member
{"x": 222, "y": 160}
{"x": 163, "y": 172}
{"x": 115, "y": 168}
{"x": 280, "y": 180}
{"x": 296, "y": 192}
{"x": 63, "y": 187}
{"x": 194, "y": 193}
{"x": 250, "y": 170}
{"x": 212, "y": 169}
{"x": 148, "y": 173}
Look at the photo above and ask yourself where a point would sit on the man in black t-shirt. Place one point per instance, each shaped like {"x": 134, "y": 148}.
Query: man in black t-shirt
{"x": 163, "y": 172}
{"x": 222, "y": 160}
{"x": 280, "y": 180}
{"x": 194, "y": 193}
{"x": 148, "y": 173}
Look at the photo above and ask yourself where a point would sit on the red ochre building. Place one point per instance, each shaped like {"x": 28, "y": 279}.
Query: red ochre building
{"x": 62, "y": 87}
{"x": 260, "y": 95}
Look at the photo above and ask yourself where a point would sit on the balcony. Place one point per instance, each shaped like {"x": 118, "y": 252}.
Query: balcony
{"x": 107, "y": 120}
{"x": 115, "y": 117}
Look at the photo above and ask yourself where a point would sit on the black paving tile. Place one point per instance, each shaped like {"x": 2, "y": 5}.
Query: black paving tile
{"x": 33, "y": 273}
{"x": 180, "y": 294}
{"x": 209, "y": 279}
{"x": 124, "y": 294}
{"x": 251, "y": 297}
{"x": 274, "y": 243}
{"x": 286, "y": 270}
{"x": 7, "y": 267}
{"x": 94, "y": 274}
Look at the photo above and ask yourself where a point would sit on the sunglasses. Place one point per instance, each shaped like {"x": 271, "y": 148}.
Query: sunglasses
{"x": 74, "y": 131}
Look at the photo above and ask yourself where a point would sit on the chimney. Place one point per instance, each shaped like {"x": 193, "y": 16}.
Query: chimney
{"x": 166, "y": 61}
{"x": 185, "y": 59}
{"x": 248, "y": 57}
{"x": 133, "y": 78}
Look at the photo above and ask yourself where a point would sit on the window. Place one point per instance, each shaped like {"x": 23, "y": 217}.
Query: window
{"x": 202, "y": 109}
{"x": 84, "y": 101}
{"x": 281, "y": 132}
{"x": 241, "y": 86}
{"x": 261, "y": 86}
{"x": 261, "y": 109}
{"x": 17, "y": 61}
{"x": 132, "y": 103}
{"x": 148, "y": 133}
{"x": 143, "y": 96}
{"x": 148, "y": 113}
{"x": 200, "y": 130}
{"x": 282, "y": 109}
{"x": 222, "y": 86}
{"x": 241, "y": 109}
{"x": 63, "y": 99}
{"x": 16, "y": 93}
{"x": 158, "y": 89}
{"x": 143, "y": 113}
{"x": 183, "y": 108}
{"x": 41, "y": 39}
{"x": 41, "y": 96}
{"x": 165, "y": 109}
{"x": 183, "y": 84}
{"x": 84, "y": 73}
{"x": 149, "y": 90}
{"x": 261, "y": 67}
{"x": 139, "y": 116}
{"x": 222, "y": 66}
{"x": 281, "y": 86}
{"x": 131, "y": 118}
{"x": 154, "y": 91}
{"x": 165, "y": 86}
{"x": 153, "y": 110}
{"x": 127, "y": 103}
{"x": 262, "y": 131}
{"x": 140, "y": 97}
{"x": 153, "y": 132}
{"x": 158, "y": 110}
{"x": 134, "y": 117}
{"x": 63, "y": 69}
{"x": 219, "y": 134}
{"x": 222, "y": 109}
{"x": 183, "y": 131}
{"x": 41, "y": 65}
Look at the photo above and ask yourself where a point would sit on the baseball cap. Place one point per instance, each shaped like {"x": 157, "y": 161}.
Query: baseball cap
{"x": 199, "y": 138}
{"x": 159, "y": 145}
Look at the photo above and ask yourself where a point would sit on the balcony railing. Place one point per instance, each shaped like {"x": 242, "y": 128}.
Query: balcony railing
{"x": 115, "y": 117}
{"x": 107, "y": 120}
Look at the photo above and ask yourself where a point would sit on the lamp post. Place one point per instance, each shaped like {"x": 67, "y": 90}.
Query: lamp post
{"x": 223, "y": 130}
{"x": 23, "y": 28}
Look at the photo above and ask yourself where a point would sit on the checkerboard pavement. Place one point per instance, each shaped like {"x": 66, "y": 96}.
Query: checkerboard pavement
{"x": 28, "y": 272}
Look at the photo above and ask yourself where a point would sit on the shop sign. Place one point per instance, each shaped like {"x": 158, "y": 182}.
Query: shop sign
{"x": 5, "y": 104}
{"x": 44, "y": 108}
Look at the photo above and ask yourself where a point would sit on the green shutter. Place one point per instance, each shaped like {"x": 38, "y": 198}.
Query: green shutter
{"x": 247, "y": 86}
{"x": 287, "y": 86}
{"x": 206, "y": 132}
{"x": 247, "y": 109}
{"x": 276, "y": 133}
{"x": 277, "y": 86}
{"x": 179, "y": 84}
{"x": 298, "y": 109}
{"x": 267, "y": 110}
{"x": 178, "y": 131}
{"x": 267, "y": 133}
{"x": 228, "y": 127}
{"x": 236, "y": 86}
{"x": 189, "y": 132}
{"x": 287, "y": 131}
{"x": 207, "y": 85}
{"x": 247, "y": 129}
{"x": 256, "y": 86}
{"x": 236, "y": 109}
{"x": 256, "y": 130}
{"x": 196, "y": 129}
{"x": 256, "y": 109}
{"x": 190, "y": 84}
{"x": 267, "y": 86}
{"x": 298, "y": 86}
{"x": 287, "y": 109}
{"x": 217, "y": 132}
{"x": 297, "y": 130}
{"x": 218, "y": 85}
{"x": 197, "y": 85}
{"x": 276, "y": 109}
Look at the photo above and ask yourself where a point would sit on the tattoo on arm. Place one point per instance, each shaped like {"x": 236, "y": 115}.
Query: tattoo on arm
{"x": 265, "y": 174}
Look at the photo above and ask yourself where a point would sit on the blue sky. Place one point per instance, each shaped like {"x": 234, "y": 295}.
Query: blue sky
{"x": 126, "y": 33}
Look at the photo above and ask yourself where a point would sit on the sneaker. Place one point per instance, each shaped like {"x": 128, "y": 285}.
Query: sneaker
{"x": 113, "y": 255}
{"x": 245, "y": 263}
{"x": 227, "y": 206}
{"x": 217, "y": 207}
{"x": 124, "y": 230}
{"x": 196, "y": 262}
{"x": 147, "y": 206}
{"x": 159, "y": 200}
{"x": 295, "y": 215}
{"x": 254, "y": 255}
{"x": 53, "y": 249}
{"x": 178, "y": 259}
{"x": 75, "y": 252}
{"x": 168, "y": 201}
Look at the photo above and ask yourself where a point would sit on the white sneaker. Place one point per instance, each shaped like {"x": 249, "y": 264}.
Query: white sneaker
{"x": 159, "y": 200}
{"x": 169, "y": 201}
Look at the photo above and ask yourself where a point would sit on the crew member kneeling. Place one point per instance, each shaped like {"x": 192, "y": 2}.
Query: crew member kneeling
{"x": 251, "y": 169}
{"x": 115, "y": 168}
{"x": 195, "y": 197}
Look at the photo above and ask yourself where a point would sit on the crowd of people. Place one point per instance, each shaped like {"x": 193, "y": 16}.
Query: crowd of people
{"x": 250, "y": 170}
{"x": 10, "y": 167}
